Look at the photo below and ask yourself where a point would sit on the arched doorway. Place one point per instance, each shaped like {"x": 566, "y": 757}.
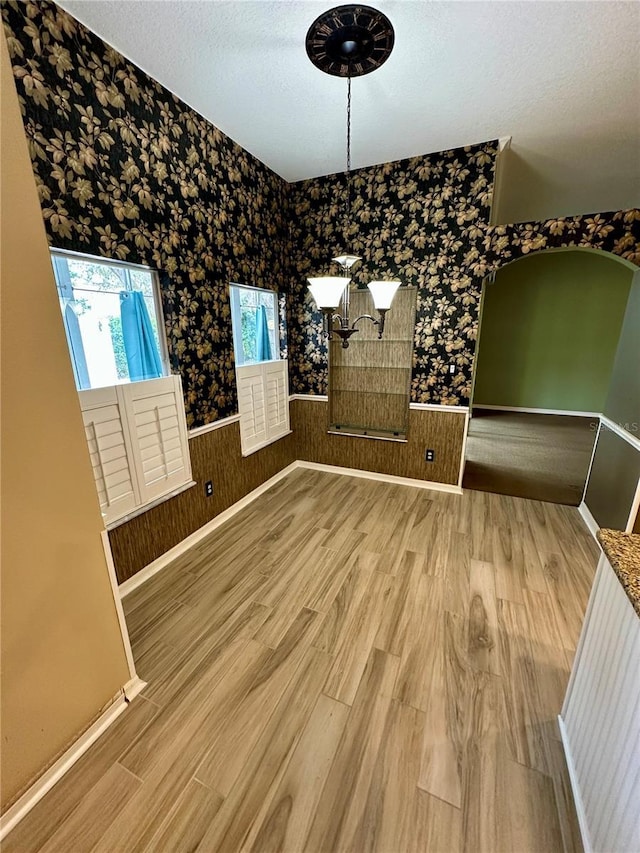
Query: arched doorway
{"x": 548, "y": 339}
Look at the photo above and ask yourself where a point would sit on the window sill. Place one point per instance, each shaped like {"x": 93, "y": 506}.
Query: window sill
{"x": 146, "y": 507}
{"x": 267, "y": 443}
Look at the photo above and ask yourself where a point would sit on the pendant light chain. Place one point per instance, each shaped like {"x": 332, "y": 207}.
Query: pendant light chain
{"x": 347, "y": 225}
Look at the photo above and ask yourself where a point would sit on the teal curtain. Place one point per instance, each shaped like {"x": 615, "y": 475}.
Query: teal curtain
{"x": 263, "y": 344}
{"x": 141, "y": 349}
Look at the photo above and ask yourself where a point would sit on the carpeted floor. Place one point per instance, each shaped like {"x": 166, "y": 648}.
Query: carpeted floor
{"x": 541, "y": 457}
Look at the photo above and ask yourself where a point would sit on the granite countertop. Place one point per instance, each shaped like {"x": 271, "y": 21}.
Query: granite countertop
{"x": 623, "y": 552}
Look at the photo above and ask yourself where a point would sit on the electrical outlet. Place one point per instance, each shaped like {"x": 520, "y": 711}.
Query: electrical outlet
{"x": 429, "y": 455}
{"x": 452, "y": 368}
{"x": 208, "y": 488}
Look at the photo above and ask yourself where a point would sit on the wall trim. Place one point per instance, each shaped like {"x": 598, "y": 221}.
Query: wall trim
{"x": 575, "y": 790}
{"x": 232, "y": 419}
{"x": 463, "y": 452}
{"x": 589, "y": 520}
{"x": 621, "y": 431}
{"x": 169, "y": 556}
{"x": 635, "y": 506}
{"x": 436, "y": 407}
{"x": 533, "y": 411}
{"x": 124, "y": 631}
{"x": 593, "y": 456}
{"x": 69, "y": 757}
{"x": 385, "y": 478}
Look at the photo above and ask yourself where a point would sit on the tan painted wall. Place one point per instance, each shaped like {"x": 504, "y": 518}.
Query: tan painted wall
{"x": 62, "y": 652}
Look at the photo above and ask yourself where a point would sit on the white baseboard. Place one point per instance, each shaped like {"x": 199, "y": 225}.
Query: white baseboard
{"x": 385, "y": 478}
{"x": 588, "y": 519}
{"x": 575, "y": 789}
{"x": 77, "y": 749}
{"x": 133, "y": 687}
{"x": 531, "y": 411}
{"x": 169, "y": 556}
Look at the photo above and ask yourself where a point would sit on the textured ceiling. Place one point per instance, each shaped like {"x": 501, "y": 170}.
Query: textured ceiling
{"x": 561, "y": 78}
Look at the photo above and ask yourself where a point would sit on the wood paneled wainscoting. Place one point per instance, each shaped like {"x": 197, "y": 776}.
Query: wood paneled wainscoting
{"x": 441, "y": 430}
{"x": 215, "y": 456}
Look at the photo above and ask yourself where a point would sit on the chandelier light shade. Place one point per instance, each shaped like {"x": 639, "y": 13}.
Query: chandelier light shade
{"x": 349, "y": 41}
{"x": 383, "y": 293}
{"x": 327, "y": 290}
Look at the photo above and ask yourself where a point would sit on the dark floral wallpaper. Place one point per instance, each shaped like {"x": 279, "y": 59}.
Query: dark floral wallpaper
{"x": 421, "y": 220}
{"x": 426, "y": 222}
{"x": 617, "y": 232}
{"x": 124, "y": 169}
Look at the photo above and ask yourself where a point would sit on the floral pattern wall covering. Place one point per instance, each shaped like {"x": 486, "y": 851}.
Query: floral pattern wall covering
{"x": 617, "y": 232}
{"x": 420, "y": 220}
{"x": 425, "y": 221}
{"x": 124, "y": 169}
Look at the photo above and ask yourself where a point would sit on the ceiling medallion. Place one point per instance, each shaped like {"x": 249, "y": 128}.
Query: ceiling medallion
{"x": 349, "y": 41}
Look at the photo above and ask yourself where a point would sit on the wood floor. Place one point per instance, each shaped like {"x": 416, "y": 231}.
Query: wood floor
{"x": 346, "y": 665}
{"x": 528, "y": 455}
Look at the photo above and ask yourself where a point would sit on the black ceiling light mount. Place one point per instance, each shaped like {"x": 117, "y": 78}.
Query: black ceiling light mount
{"x": 349, "y": 41}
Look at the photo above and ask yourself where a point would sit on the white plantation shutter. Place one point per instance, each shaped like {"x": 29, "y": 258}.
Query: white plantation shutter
{"x": 155, "y": 410}
{"x": 110, "y": 452}
{"x": 251, "y": 406}
{"x": 277, "y": 397}
{"x": 138, "y": 442}
{"x": 263, "y": 403}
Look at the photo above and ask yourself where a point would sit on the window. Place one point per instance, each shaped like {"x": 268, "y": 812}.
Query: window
{"x": 112, "y": 318}
{"x": 261, "y": 375}
{"x": 136, "y": 430}
{"x": 254, "y": 316}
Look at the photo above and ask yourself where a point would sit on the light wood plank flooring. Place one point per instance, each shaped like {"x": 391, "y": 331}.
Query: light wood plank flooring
{"x": 346, "y": 665}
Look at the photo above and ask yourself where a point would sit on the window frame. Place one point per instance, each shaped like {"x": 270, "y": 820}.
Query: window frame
{"x": 236, "y": 322}
{"x": 66, "y": 255}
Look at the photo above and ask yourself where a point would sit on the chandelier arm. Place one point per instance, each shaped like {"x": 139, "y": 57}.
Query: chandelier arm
{"x": 365, "y": 317}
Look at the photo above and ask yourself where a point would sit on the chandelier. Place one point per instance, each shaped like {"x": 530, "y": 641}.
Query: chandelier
{"x": 349, "y": 41}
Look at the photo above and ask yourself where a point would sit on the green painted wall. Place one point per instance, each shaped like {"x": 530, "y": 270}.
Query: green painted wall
{"x": 623, "y": 402}
{"x": 550, "y": 329}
